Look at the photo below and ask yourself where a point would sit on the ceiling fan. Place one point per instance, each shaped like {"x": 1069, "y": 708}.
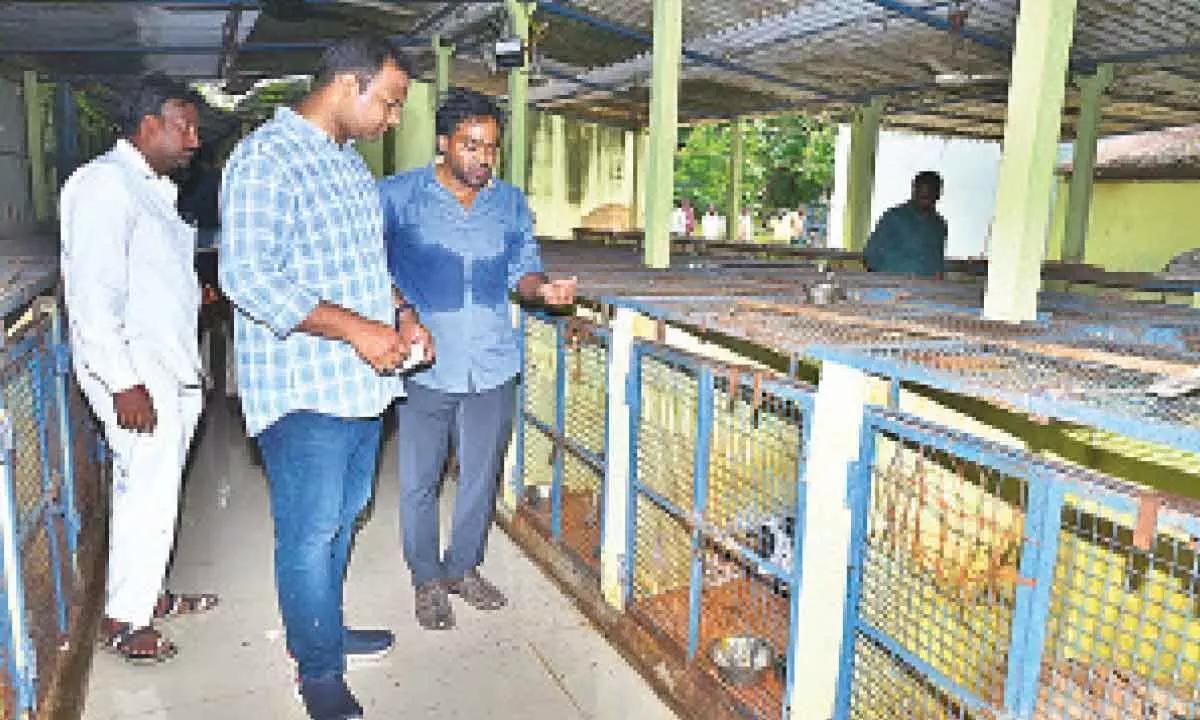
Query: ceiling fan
{"x": 955, "y": 70}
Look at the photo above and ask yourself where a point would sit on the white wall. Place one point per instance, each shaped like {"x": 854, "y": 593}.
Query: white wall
{"x": 968, "y": 167}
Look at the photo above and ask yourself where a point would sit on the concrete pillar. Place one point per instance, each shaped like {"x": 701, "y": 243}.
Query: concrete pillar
{"x": 1083, "y": 166}
{"x": 35, "y": 127}
{"x": 864, "y": 144}
{"x": 518, "y": 99}
{"x": 733, "y": 203}
{"x": 614, "y": 565}
{"x": 664, "y": 128}
{"x": 1035, "y": 100}
{"x": 833, "y": 448}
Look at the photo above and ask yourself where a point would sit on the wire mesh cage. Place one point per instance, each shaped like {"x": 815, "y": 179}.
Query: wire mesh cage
{"x": 585, "y": 397}
{"x": 993, "y": 583}
{"x": 718, "y": 516}
{"x": 564, "y": 425}
{"x": 1123, "y": 634}
{"x": 52, "y": 464}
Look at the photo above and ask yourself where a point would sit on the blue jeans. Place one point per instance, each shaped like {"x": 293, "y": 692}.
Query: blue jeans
{"x": 321, "y": 471}
{"x": 480, "y": 424}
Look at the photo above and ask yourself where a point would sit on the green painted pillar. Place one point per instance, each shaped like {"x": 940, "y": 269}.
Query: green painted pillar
{"x": 416, "y": 137}
{"x": 518, "y": 100}
{"x": 664, "y": 129}
{"x": 733, "y": 203}
{"x": 1083, "y": 166}
{"x": 864, "y": 146}
{"x": 35, "y": 127}
{"x": 443, "y": 54}
{"x": 1031, "y": 132}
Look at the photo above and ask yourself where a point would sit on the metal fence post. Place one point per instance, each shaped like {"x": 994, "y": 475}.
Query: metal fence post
{"x": 1039, "y": 553}
{"x": 797, "y": 579}
{"x": 48, "y": 507}
{"x": 21, "y": 661}
{"x": 560, "y": 429}
{"x": 700, "y": 459}
{"x": 634, "y": 393}
{"x": 858, "y": 497}
{"x": 66, "y": 431}
{"x": 517, "y": 477}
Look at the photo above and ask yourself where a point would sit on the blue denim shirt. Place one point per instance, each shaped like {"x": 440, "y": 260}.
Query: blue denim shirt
{"x": 457, "y": 266}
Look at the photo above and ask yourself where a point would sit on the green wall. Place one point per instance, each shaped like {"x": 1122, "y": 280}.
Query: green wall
{"x": 580, "y": 172}
{"x": 576, "y": 168}
{"x": 1134, "y": 226}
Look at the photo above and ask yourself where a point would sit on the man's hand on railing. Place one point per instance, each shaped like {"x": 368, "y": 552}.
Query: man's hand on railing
{"x": 135, "y": 409}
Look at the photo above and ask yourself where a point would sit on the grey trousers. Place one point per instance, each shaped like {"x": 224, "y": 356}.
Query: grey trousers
{"x": 480, "y": 425}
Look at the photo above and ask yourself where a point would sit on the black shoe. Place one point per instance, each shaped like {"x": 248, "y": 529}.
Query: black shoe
{"x": 328, "y": 698}
{"x": 367, "y": 644}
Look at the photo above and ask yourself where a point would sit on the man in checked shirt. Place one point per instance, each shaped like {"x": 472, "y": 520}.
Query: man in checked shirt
{"x": 303, "y": 261}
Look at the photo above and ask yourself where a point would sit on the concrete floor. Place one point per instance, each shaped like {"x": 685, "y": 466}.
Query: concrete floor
{"x": 538, "y": 658}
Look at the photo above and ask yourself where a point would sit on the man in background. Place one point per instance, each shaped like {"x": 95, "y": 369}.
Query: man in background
{"x": 911, "y": 238}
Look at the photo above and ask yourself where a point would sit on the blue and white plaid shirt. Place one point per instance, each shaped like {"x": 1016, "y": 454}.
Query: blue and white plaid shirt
{"x": 301, "y": 224}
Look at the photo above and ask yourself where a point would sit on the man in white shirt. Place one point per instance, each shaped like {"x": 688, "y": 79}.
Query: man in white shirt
{"x": 133, "y": 304}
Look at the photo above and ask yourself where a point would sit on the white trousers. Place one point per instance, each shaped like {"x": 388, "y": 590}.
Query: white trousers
{"x": 147, "y": 475}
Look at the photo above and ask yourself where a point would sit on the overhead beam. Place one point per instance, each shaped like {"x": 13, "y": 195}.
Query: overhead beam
{"x": 409, "y": 41}
{"x": 629, "y": 69}
{"x": 927, "y": 18}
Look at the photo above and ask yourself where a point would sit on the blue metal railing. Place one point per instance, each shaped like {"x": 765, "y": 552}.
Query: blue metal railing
{"x": 984, "y": 581}
{"x": 43, "y": 481}
{"x": 564, "y": 423}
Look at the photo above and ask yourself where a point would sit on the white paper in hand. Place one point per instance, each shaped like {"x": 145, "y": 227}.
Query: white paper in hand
{"x": 416, "y": 356}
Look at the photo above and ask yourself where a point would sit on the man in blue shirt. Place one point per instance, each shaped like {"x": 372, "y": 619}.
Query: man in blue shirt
{"x": 302, "y": 260}
{"x": 458, "y": 242}
{"x": 911, "y": 238}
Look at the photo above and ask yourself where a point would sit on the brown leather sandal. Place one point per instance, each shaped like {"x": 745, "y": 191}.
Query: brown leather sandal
{"x": 131, "y": 643}
{"x": 171, "y": 604}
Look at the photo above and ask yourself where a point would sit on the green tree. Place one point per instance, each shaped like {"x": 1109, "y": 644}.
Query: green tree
{"x": 787, "y": 160}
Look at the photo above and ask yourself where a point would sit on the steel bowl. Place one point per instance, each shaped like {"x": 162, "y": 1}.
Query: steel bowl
{"x": 741, "y": 659}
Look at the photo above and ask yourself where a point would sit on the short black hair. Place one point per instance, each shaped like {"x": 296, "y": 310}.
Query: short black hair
{"x": 462, "y": 104}
{"x": 929, "y": 179}
{"x": 362, "y": 55}
{"x": 149, "y": 96}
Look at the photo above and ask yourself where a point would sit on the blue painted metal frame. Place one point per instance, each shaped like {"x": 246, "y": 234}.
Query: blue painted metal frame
{"x": 23, "y": 679}
{"x": 700, "y": 464}
{"x": 797, "y": 579}
{"x": 633, "y": 395}
{"x": 858, "y": 490}
{"x": 518, "y": 472}
{"x": 1039, "y": 551}
{"x": 66, "y": 431}
{"x": 560, "y": 430}
{"x": 48, "y": 506}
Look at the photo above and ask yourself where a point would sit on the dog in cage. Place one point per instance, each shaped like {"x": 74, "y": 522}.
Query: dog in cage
{"x": 771, "y": 539}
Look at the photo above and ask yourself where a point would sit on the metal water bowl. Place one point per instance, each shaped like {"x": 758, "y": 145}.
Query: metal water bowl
{"x": 741, "y": 659}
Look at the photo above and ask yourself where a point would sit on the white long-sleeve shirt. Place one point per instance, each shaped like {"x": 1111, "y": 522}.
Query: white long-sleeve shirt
{"x": 129, "y": 276}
